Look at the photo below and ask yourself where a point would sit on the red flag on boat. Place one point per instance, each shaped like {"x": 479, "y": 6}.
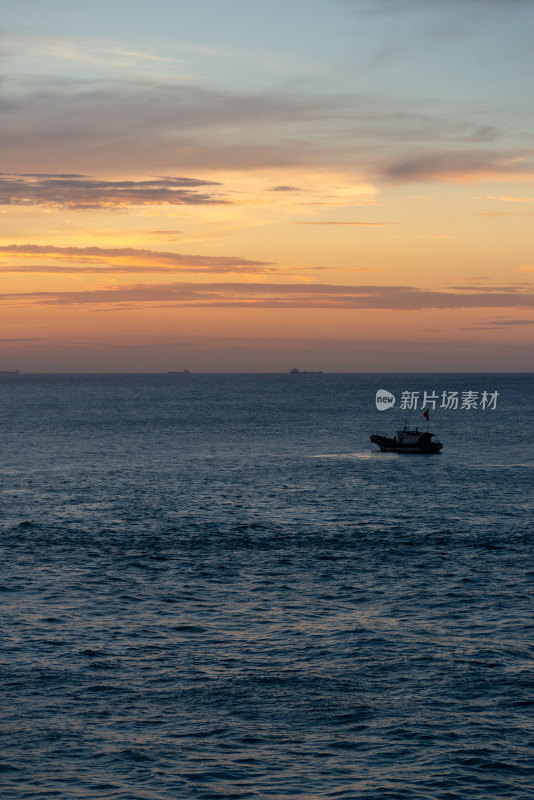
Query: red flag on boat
{"x": 425, "y": 413}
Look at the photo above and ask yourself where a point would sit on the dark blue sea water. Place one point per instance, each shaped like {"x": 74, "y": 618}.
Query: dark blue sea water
{"x": 215, "y": 587}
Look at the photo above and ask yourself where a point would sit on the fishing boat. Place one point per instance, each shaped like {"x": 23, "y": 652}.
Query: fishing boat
{"x": 408, "y": 441}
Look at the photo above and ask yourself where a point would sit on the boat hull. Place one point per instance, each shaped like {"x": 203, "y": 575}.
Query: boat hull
{"x": 424, "y": 447}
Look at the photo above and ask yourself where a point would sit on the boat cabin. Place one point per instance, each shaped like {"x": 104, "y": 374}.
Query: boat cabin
{"x": 406, "y": 436}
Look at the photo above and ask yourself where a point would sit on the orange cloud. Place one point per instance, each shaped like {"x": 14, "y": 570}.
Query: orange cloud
{"x": 493, "y": 214}
{"x": 356, "y": 224}
{"x": 123, "y": 259}
{"x": 509, "y": 199}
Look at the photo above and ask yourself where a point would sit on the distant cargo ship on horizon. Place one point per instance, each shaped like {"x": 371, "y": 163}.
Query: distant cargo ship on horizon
{"x": 296, "y": 371}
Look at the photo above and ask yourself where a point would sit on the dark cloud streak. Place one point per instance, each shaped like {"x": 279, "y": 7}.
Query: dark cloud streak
{"x": 285, "y": 295}
{"x": 85, "y": 193}
{"x": 458, "y": 164}
{"x": 496, "y": 324}
{"x": 109, "y": 259}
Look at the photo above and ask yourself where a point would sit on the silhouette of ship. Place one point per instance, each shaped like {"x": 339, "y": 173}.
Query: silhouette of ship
{"x": 408, "y": 441}
{"x": 296, "y": 371}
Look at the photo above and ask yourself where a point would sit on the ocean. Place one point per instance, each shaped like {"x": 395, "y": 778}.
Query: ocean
{"x": 215, "y": 586}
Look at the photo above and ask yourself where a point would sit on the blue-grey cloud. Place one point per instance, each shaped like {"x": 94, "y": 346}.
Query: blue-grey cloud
{"x": 83, "y": 192}
{"x": 125, "y": 128}
{"x": 399, "y": 6}
{"x": 459, "y": 164}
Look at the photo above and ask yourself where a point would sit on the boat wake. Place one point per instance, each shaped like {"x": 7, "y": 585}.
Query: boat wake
{"x": 364, "y": 454}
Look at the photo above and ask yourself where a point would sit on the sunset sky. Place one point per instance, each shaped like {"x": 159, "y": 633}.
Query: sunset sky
{"x": 236, "y": 185}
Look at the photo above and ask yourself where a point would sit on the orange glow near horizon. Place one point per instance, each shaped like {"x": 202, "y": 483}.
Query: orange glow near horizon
{"x": 373, "y": 215}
